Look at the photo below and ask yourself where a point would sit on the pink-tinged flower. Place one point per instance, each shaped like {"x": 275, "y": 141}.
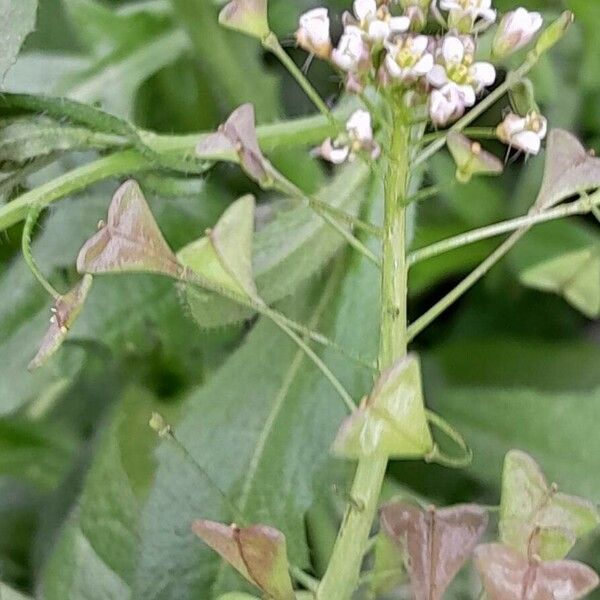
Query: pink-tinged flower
{"x": 358, "y": 138}
{"x": 524, "y": 133}
{"x": 352, "y": 53}
{"x": 456, "y": 68}
{"x": 445, "y": 105}
{"x": 408, "y": 58}
{"x": 313, "y": 33}
{"x": 464, "y": 14}
{"x": 516, "y": 30}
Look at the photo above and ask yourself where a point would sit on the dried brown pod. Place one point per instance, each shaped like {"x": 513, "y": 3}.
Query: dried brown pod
{"x": 506, "y": 574}
{"x": 436, "y": 543}
{"x": 257, "y": 552}
{"x": 130, "y": 240}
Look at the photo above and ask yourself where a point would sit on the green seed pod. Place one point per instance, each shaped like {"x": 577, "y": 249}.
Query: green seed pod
{"x": 247, "y": 16}
{"x": 522, "y": 98}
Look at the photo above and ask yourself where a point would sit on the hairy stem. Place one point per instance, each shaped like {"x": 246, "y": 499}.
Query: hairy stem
{"x": 343, "y": 572}
{"x": 579, "y": 207}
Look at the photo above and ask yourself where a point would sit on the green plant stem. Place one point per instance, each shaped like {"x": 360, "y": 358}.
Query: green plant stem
{"x": 466, "y": 284}
{"x": 310, "y": 583}
{"x": 128, "y": 162}
{"x": 482, "y": 133}
{"x": 582, "y": 206}
{"x": 271, "y": 43}
{"x": 343, "y": 572}
{"x": 579, "y": 207}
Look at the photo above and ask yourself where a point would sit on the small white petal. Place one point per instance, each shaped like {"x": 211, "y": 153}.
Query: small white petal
{"x": 453, "y": 49}
{"x": 484, "y": 74}
{"x": 419, "y": 44}
{"x": 393, "y": 67}
{"x": 399, "y": 24}
{"x": 359, "y": 126}
{"x": 424, "y": 64}
{"x": 378, "y": 30}
{"x": 467, "y": 94}
{"x": 527, "y": 141}
{"x": 437, "y": 76}
{"x": 332, "y": 154}
{"x": 488, "y": 15}
{"x": 364, "y": 9}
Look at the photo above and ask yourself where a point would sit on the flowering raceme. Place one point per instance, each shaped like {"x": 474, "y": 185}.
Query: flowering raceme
{"x": 382, "y": 48}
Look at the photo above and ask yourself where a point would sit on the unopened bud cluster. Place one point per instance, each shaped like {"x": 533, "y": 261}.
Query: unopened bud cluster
{"x": 383, "y": 46}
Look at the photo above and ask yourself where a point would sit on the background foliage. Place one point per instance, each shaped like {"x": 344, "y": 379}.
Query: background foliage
{"x": 88, "y": 510}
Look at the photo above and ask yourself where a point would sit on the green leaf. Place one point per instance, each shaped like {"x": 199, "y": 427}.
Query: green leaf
{"x": 24, "y": 139}
{"x": 17, "y": 20}
{"x": 261, "y": 427}
{"x": 529, "y": 507}
{"x": 557, "y": 428}
{"x": 39, "y": 453}
{"x": 7, "y": 593}
{"x": 575, "y": 276}
{"x": 257, "y": 552}
{"x": 225, "y": 254}
{"x": 291, "y": 248}
{"x": 95, "y": 555}
{"x": 391, "y": 421}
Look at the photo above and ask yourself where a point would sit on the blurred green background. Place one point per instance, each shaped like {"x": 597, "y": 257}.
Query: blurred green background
{"x": 85, "y": 513}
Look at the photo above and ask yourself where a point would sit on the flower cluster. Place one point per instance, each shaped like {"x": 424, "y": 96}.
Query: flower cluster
{"x": 383, "y": 46}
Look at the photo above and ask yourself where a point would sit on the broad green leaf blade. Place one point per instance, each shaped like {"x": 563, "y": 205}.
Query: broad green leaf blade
{"x": 436, "y": 543}
{"x": 391, "y": 422}
{"x": 569, "y": 169}
{"x": 257, "y": 552}
{"x": 39, "y": 453}
{"x": 7, "y": 593}
{"x": 95, "y": 555}
{"x": 64, "y": 314}
{"x": 17, "y": 21}
{"x": 529, "y": 507}
{"x": 130, "y": 240}
{"x": 290, "y": 249}
{"x": 225, "y": 254}
{"x": 575, "y": 276}
{"x": 25, "y": 139}
{"x": 262, "y": 427}
{"x": 494, "y": 421}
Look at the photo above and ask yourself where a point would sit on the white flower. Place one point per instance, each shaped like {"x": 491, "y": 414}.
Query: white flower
{"x": 445, "y": 105}
{"x": 523, "y": 133}
{"x": 376, "y": 22}
{"x": 352, "y": 51}
{"x": 457, "y": 69}
{"x": 516, "y": 30}
{"x": 463, "y": 14}
{"x": 358, "y": 138}
{"x": 408, "y": 58}
{"x": 313, "y": 33}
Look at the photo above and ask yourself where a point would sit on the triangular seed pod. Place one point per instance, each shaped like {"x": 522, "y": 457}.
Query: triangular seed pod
{"x": 224, "y": 255}
{"x": 64, "y": 313}
{"x": 247, "y": 16}
{"x": 507, "y": 574}
{"x": 471, "y": 159}
{"x": 130, "y": 240}
{"x": 569, "y": 169}
{"x": 436, "y": 543}
{"x": 529, "y": 507}
{"x": 257, "y": 552}
{"x": 391, "y": 421}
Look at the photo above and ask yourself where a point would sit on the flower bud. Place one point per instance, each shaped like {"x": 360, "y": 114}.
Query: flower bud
{"x": 159, "y": 425}
{"x": 247, "y": 16}
{"x": 516, "y": 30}
{"x": 471, "y": 159}
{"x": 313, "y": 33}
{"x": 554, "y": 33}
{"x": 522, "y": 97}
